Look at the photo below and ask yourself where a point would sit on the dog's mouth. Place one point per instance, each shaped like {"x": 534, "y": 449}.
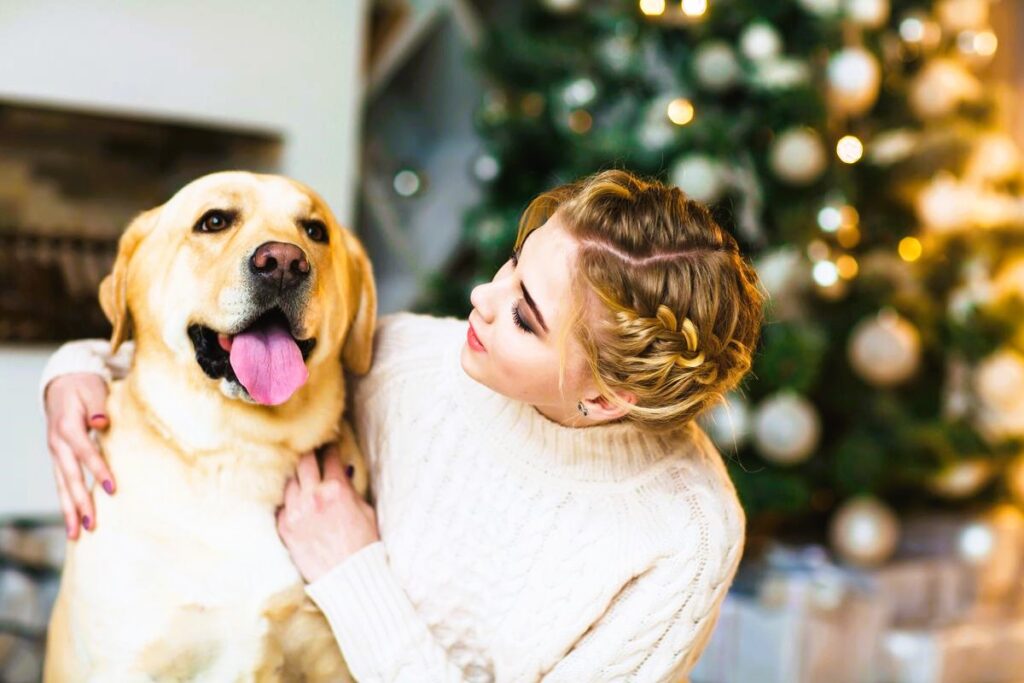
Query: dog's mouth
{"x": 263, "y": 357}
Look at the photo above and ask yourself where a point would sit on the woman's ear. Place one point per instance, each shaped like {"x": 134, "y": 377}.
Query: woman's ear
{"x": 602, "y": 409}
{"x": 357, "y": 353}
{"x": 114, "y": 287}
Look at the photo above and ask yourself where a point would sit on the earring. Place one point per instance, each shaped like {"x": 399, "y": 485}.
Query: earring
{"x": 582, "y": 408}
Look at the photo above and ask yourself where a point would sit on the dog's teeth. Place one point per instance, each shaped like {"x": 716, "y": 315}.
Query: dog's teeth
{"x": 224, "y": 341}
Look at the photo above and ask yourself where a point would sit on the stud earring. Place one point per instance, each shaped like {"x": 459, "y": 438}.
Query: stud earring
{"x": 582, "y": 408}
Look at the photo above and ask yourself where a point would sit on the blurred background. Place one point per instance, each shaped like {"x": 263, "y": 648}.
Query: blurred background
{"x": 865, "y": 153}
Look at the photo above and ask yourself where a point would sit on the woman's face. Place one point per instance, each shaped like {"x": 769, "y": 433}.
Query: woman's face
{"x": 518, "y": 322}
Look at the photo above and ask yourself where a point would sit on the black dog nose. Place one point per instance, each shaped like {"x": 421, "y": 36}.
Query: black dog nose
{"x": 279, "y": 264}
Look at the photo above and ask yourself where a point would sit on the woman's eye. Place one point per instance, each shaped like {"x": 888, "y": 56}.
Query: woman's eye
{"x": 215, "y": 221}
{"x": 316, "y": 230}
{"x": 518, "y": 319}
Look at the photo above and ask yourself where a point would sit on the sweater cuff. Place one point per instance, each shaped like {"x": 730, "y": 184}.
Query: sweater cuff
{"x": 79, "y": 356}
{"x": 372, "y": 618}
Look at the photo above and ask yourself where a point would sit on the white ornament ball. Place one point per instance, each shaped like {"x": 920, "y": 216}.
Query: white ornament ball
{"x": 821, "y": 8}
{"x": 760, "y": 41}
{"x": 700, "y": 177}
{"x": 868, "y": 13}
{"x": 798, "y": 156}
{"x": 995, "y": 158}
{"x": 997, "y": 381}
{"x": 962, "y": 479}
{"x": 854, "y": 77}
{"x": 885, "y": 349}
{"x": 864, "y": 531}
{"x": 945, "y": 205}
{"x": 728, "y": 422}
{"x": 716, "y": 66}
{"x": 940, "y": 87}
{"x": 962, "y": 15}
{"x": 786, "y": 428}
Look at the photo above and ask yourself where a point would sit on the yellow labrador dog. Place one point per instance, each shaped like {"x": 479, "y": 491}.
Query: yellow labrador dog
{"x": 245, "y": 299}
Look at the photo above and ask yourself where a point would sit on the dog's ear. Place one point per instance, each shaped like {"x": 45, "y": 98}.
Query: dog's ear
{"x": 358, "y": 350}
{"x": 114, "y": 287}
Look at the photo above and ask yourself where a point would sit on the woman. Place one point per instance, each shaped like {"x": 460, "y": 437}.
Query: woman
{"x": 546, "y": 507}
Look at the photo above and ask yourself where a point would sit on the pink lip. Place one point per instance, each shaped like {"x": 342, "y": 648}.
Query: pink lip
{"x": 472, "y": 340}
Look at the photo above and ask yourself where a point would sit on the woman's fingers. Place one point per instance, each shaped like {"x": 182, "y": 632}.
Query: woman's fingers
{"x": 93, "y": 392}
{"x": 332, "y": 465}
{"x": 75, "y": 482}
{"x": 308, "y": 471}
{"x": 67, "y": 505}
{"x": 86, "y": 451}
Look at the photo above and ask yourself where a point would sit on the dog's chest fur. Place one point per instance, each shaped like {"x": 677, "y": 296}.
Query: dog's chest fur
{"x": 185, "y": 577}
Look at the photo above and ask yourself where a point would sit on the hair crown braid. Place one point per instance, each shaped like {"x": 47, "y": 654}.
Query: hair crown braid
{"x": 668, "y": 309}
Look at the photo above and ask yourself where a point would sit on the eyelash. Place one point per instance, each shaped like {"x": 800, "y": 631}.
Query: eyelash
{"x": 518, "y": 319}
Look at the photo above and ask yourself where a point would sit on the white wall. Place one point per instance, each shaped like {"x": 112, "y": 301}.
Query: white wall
{"x": 26, "y": 476}
{"x": 293, "y": 68}
{"x": 290, "y": 67}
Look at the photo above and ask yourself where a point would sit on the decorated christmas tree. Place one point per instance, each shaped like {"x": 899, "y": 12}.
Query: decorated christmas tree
{"x": 852, "y": 148}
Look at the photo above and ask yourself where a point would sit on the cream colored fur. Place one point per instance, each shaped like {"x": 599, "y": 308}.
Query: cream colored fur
{"x": 185, "y": 577}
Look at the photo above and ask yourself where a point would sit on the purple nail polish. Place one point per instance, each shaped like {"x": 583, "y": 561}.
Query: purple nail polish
{"x": 349, "y": 471}
{"x": 108, "y": 486}
{"x": 86, "y": 522}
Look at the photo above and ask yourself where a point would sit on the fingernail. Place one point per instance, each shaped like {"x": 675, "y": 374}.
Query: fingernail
{"x": 98, "y": 416}
{"x": 67, "y": 529}
{"x": 349, "y": 471}
{"x": 108, "y": 486}
{"x": 86, "y": 522}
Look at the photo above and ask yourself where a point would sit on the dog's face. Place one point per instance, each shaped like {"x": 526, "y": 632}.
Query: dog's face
{"x": 250, "y": 278}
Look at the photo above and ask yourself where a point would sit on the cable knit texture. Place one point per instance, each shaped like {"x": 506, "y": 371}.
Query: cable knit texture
{"x": 513, "y": 548}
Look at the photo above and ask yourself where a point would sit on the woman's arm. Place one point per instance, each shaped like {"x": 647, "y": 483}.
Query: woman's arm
{"x": 654, "y": 630}
{"x": 74, "y": 393}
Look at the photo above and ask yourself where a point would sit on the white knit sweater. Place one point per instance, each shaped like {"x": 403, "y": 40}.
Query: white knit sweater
{"x": 513, "y": 548}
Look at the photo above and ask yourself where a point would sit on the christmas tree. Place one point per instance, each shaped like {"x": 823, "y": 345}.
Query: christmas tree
{"x": 852, "y": 148}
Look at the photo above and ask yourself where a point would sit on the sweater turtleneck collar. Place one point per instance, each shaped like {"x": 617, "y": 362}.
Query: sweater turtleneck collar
{"x": 603, "y": 453}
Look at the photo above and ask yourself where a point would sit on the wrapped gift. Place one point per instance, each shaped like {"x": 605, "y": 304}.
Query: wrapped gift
{"x": 985, "y": 649}
{"x": 796, "y": 618}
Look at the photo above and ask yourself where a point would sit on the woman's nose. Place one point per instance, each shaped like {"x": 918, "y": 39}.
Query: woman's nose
{"x": 481, "y": 301}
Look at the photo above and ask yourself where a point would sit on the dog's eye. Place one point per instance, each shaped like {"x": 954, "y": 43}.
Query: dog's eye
{"x": 316, "y": 230}
{"x": 215, "y": 221}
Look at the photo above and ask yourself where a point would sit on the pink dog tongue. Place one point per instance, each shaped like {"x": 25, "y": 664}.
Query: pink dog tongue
{"x": 268, "y": 363}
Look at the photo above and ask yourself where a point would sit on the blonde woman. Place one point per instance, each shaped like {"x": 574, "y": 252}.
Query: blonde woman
{"x": 546, "y": 507}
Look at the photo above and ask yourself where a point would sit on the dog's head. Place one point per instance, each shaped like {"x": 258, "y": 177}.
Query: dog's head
{"x": 249, "y": 277}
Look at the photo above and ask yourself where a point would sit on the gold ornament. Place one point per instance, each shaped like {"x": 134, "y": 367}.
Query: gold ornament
{"x": 962, "y": 479}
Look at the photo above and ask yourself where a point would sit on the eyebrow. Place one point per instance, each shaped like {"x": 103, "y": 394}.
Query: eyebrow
{"x": 526, "y": 294}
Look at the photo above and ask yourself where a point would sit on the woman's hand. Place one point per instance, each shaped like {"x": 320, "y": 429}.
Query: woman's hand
{"x": 76, "y": 403}
{"x": 323, "y": 520}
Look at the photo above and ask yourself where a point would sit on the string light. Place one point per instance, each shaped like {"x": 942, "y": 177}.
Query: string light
{"x": 580, "y": 121}
{"x": 850, "y": 149}
{"x": 680, "y": 111}
{"x": 910, "y": 249}
{"x": 695, "y": 8}
{"x": 817, "y": 250}
{"x": 847, "y": 267}
{"x": 652, "y": 8}
{"x": 986, "y": 43}
{"x": 825, "y": 273}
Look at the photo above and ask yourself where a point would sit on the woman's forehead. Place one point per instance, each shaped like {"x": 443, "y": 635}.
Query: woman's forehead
{"x": 546, "y": 264}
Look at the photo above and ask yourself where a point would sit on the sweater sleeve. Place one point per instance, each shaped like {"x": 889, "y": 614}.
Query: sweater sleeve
{"x": 380, "y": 634}
{"x": 658, "y": 625}
{"x": 87, "y": 355}
{"x": 654, "y": 630}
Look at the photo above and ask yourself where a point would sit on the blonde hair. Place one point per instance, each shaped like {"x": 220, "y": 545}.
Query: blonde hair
{"x": 678, "y": 307}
